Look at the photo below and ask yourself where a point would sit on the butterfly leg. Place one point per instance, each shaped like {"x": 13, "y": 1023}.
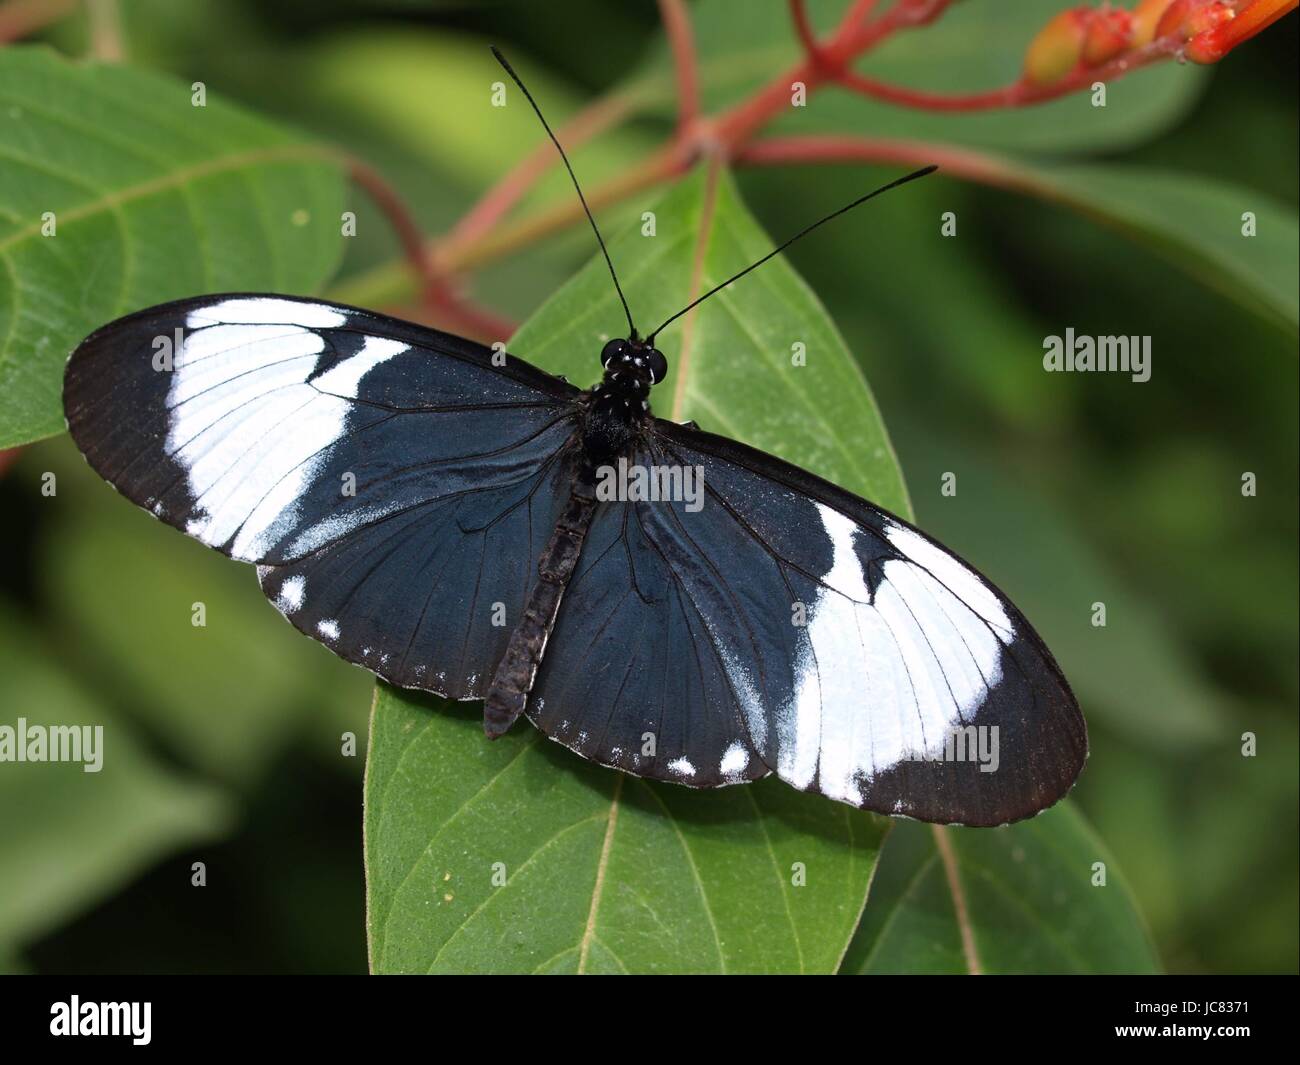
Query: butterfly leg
{"x": 508, "y": 694}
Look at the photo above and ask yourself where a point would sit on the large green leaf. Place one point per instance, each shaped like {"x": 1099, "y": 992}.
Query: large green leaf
{"x": 608, "y": 873}
{"x": 152, "y": 199}
{"x": 1022, "y": 899}
{"x": 604, "y": 873}
{"x": 1197, "y": 223}
{"x": 69, "y": 837}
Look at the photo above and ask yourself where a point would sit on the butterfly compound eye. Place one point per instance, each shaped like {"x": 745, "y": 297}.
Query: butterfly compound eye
{"x": 612, "y": 350}
{"x": 657, "y": 365}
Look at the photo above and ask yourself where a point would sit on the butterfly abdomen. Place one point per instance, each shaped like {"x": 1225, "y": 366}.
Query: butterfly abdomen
{"x": 513, "y": 680}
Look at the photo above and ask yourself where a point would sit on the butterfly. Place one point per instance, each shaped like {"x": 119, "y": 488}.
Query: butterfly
{"x": 458, "y": 521}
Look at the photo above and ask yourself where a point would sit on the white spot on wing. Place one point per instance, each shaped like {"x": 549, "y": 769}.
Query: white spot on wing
{"x": 291, "y": 593}
{"x": 329, "y": 628}
{"x": 681, "y": 767}
{"x": 734, "y": 760}
{"x": 231, "y": 357}
{"x": 265, "y": 507}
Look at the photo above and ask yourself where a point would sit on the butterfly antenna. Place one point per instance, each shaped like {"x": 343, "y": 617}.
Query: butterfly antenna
{"x": 802, "y": 233}
{"x": 574, "y": 178}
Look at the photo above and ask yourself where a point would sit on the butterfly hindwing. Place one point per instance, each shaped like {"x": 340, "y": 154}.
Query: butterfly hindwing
{"x": 631, "y": 677}
{"x": 394, "y": 483}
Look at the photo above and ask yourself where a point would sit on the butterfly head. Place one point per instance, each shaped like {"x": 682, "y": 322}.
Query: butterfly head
{"x": 619, "y": 404}
{"x": 637, "y": 362}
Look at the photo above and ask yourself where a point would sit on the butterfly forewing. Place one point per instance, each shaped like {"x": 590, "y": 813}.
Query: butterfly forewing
{"x": 395, "y": 483}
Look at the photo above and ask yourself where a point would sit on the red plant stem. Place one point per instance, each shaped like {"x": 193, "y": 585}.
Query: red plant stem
{"x": 668, "y": 162}
{"x": 857, "y": 14}
{"x": 438, "y": 291}
{"x": 856, "y": 34}
{"x": 677, "y": 25}
{"x": 1020, "y": 94}
{"x": 963, "y": 162}
{"x": 8, "y": 458}
{"x": 387, "y": 199}
{"x": 18, "y": 18}
{"x": 852, "y": 38}
{"x": 749, "y": 116}
{"x": 463, "y": 316}
{"x": 497, "y": 202}
{"x": 478, "y": 238}
{"x": 807, "y": 36}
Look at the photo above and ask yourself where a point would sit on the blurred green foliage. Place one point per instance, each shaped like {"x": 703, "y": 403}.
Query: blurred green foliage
{"x": 1071, "y": 489}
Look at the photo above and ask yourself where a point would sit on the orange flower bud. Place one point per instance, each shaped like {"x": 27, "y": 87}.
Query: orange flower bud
{"x": 1109, "y": 32}
{"x": 1225, "y": 26}
{"x": 1145, "y": 18}
{"x": 1187, "y": 18}
{"x": 1058, "y": 47}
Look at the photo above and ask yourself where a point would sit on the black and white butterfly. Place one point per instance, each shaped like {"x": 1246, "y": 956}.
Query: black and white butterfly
{"x": 404, "y": 491}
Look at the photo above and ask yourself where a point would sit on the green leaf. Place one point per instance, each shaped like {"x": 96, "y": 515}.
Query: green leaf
{"x": 1019, "y": 899}
{"x": 68, "y": 837}
{"x": 607, "y": 873}
{"x": 151, "y": 199}
{"x": 1192, "y": 221}
{"x": 970, "y": 48}
{"x": 1196, "y": 223}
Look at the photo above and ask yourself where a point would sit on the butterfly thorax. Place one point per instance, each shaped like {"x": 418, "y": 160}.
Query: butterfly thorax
{"x": 619, "y": 405}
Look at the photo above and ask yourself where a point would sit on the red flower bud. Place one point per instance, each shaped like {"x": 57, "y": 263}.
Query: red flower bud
{"x": 1109, "y": 32}
{"x": 1187, "y": 18}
